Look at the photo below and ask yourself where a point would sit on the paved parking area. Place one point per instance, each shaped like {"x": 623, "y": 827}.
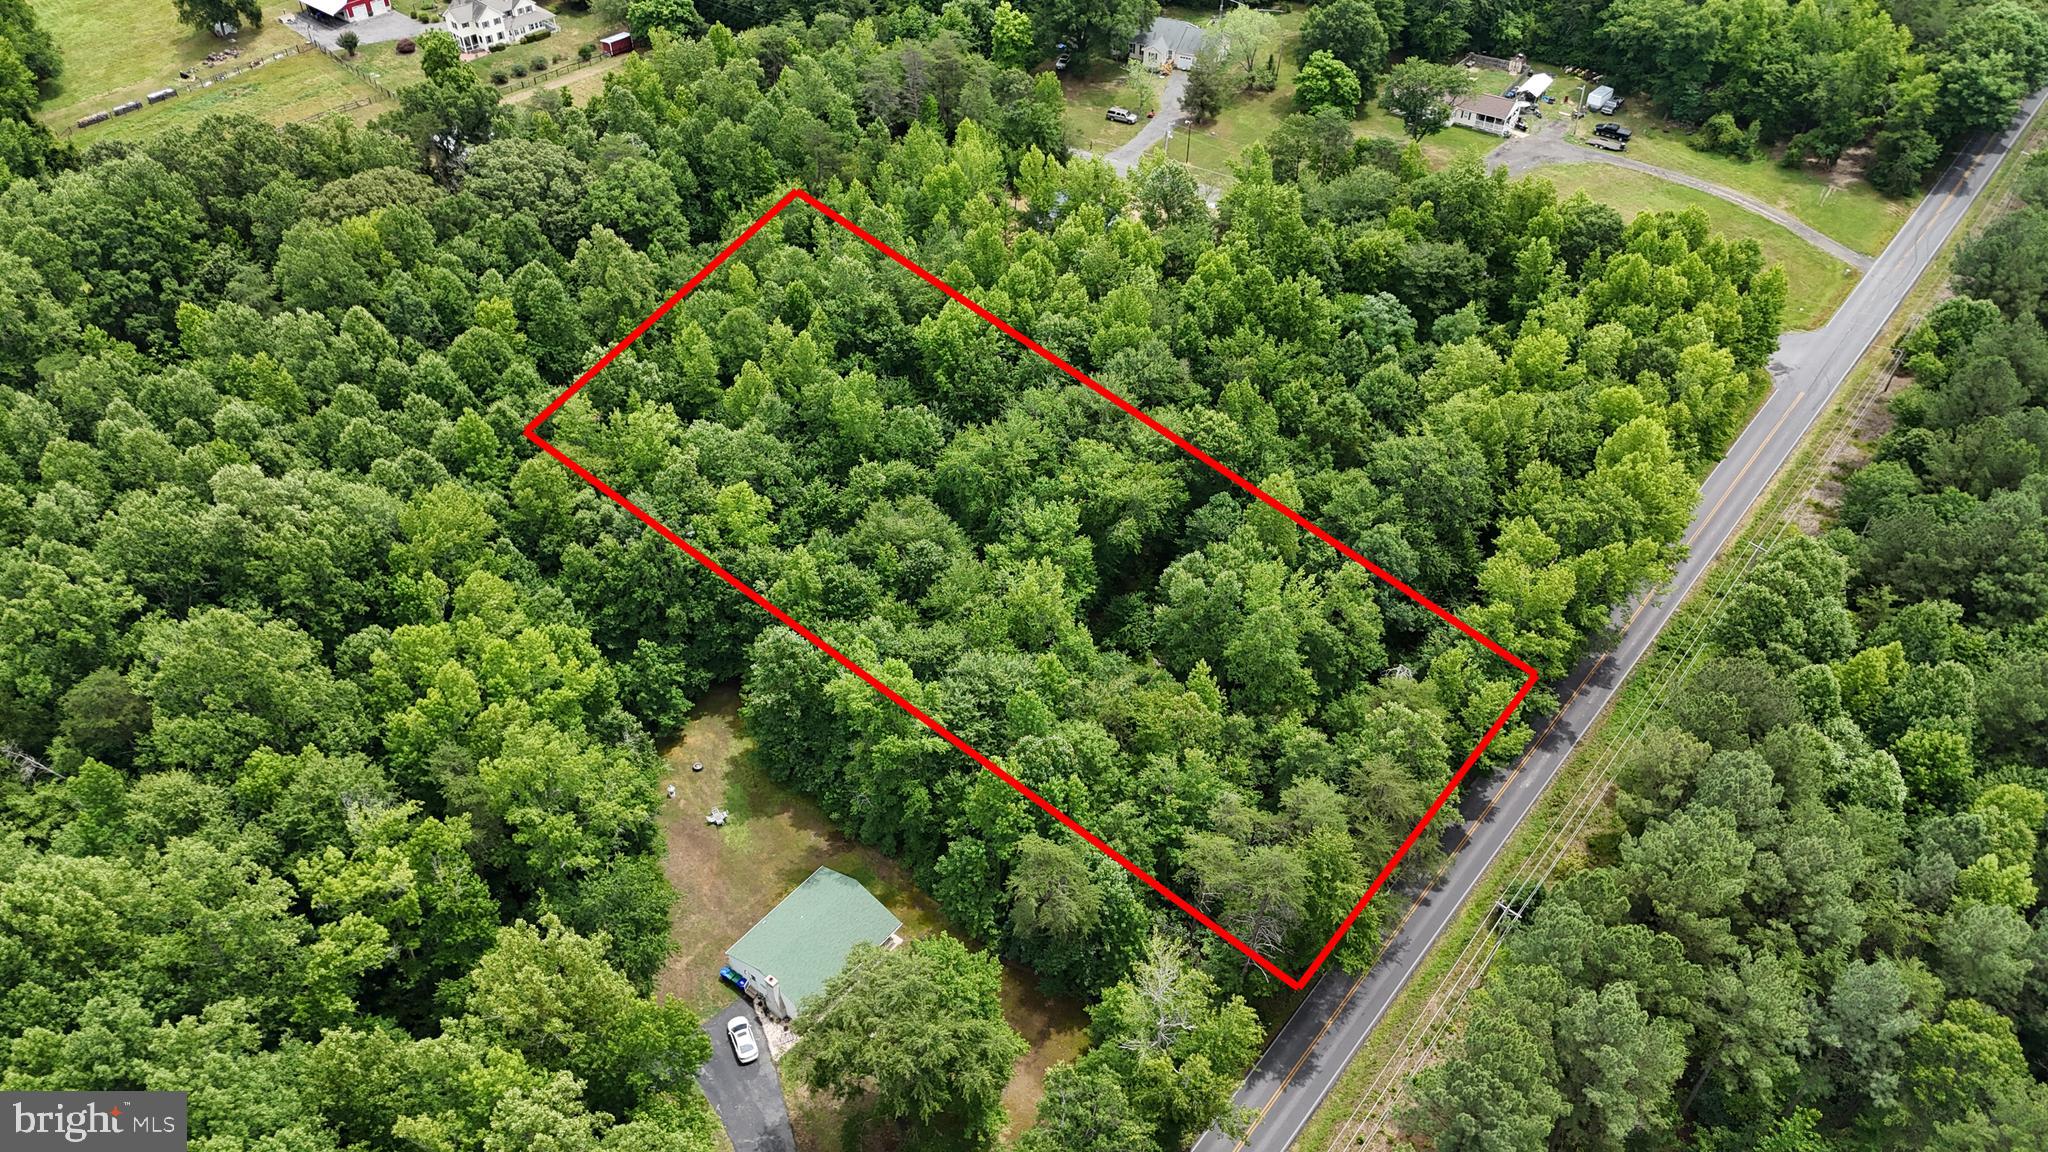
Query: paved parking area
{"x": 748, "y": 1098}
{"x": 392, "y": 25}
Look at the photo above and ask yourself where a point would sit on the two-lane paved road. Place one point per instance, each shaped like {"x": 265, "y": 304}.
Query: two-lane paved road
{"x": 1311, "y": 1050}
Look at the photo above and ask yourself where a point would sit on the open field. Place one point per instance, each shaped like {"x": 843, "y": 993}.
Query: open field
{"x": 1819, "y": 282}
{"x": 1849, "y": 210}
{"x": 119, "y": 52}
{"x": 727, "y": 878}
{"x": 116, "y": 53}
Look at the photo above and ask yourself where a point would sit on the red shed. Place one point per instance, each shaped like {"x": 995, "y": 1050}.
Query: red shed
{"x": 616, "y": 44}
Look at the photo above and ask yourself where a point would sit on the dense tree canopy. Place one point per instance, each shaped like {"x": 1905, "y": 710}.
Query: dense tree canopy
{"x": 347, "y": 695}
{"x": 1822, "y": 914}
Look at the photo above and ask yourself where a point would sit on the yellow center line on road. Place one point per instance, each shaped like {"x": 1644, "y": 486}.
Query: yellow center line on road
{"x": 1500, "y": 791}
{"x": 1919, "y": 234}
{"x": 1736, "y": 483}
{"x": 1416, "y": 905}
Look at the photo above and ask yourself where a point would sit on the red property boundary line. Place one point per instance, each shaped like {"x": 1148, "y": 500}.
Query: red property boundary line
{"x": 972, "y": 753}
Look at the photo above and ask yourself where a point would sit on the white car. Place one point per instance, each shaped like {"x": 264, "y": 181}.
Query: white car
{"x": 741, "y": 1034}
{"x": 1121, "y": 116}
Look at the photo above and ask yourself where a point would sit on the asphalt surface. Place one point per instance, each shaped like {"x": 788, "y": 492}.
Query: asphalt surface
{"x": 1305, "y": 1059}
{"x": 1548, "y": 144}
{"x": 747, "y": 1097}
{"x": 1154, "y": 130}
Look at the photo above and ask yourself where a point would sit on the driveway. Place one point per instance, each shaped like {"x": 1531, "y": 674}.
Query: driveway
{"x": 384, "y": 26}
{"x": 1126, "y": 158}
{"x": 748, "y": 1098}
{"x": 1547, "y": 144}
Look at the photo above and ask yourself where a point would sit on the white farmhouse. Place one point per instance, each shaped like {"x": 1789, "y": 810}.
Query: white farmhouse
{"x": 1496, "y": 115}
{"x": 478, "y": 24}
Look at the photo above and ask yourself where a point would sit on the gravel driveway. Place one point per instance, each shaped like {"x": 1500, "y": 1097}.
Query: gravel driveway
{"x": 1547, "y": 143}
{"x": 748, "y": 1098}
{"x": 378, "y": 29}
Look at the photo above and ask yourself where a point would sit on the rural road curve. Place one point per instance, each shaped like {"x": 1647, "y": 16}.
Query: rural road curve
{"x": 1311, "y": 1050}
{"x": 1548, "y": 144}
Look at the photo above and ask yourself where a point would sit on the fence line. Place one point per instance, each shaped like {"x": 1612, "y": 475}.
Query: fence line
{"x": 184, "y": 87}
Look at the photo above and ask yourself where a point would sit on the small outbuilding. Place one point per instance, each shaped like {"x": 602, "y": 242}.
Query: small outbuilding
{"x": 1532, "y": 90}
{"x": 791, "y": 952}
{"x": 616, "y": 44}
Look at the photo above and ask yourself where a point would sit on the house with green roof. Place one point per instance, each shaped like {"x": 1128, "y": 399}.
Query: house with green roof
{"x": 789, "y": 953}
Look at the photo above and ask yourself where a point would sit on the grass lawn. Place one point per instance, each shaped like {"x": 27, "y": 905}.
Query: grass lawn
{"x": 581, "y": 84}
{"x": 116, "y": 53}
{"x": 577, "y": 29}
{"x": 1092, "y": 85}
{"x": 1250, "y": 117}
{"x": 1818, "y": 281}
{"x": 119, "y": 52}
{"x": 1847, "y": 209}
{"x": 729, "y": 877}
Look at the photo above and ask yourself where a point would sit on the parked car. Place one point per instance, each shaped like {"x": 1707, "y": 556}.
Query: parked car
{"x": 1121, "y": 115}
{"x": 1059, "y": 62}
{"x": 741, "y": 1034}
{"x": 1612, "y": 131}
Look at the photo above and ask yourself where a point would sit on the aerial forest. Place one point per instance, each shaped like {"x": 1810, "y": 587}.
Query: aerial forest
{"x": 337, "y": 705}
{"x": 1817, "y": 922}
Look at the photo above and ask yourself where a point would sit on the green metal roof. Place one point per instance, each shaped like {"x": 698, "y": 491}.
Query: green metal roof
{"x": 803, "y": 942}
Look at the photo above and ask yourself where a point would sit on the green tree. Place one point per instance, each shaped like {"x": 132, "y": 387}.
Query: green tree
{"x": 676, "y": 16}
{"x": 1325, "y": 81}
{"x": 546, "y": 992}
{"x": 1175, "y": 1045}
{"x": 1349, "y": 30}
{"x": 1013, "y": 41}
{"x": 204, "y": 15}
{"x": 920, "y": 1028}
{"x": 1420, "y": 94}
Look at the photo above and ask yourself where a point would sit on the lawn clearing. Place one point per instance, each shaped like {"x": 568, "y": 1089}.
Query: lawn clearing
{"x": 1818, "y": 281}
{"x": 1092, "y": 85}
{"x": 1251, "y": 117}
{"x": 394, "y": 71}
{"x": 119, "y": 52}
{"x": 1849, "y": 210}
{"x": 727, "y": 878}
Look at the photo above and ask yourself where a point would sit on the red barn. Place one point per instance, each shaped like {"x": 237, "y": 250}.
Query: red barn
{"x": 616, "y": 44}
{"x": 346, "y": 9}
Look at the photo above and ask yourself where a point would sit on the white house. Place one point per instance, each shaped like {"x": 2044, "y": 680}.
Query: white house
{"x": 1486, "y": 112}
{"x": 1170, "y": 43}
{"x": 346, "y": 9}
{"x": 478, "y": 24}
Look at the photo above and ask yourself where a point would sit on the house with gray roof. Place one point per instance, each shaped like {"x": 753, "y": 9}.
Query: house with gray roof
{"x": 478, "y": 24}
{"x": 791, "y": 952}
{"x": 1170, "y": 42}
